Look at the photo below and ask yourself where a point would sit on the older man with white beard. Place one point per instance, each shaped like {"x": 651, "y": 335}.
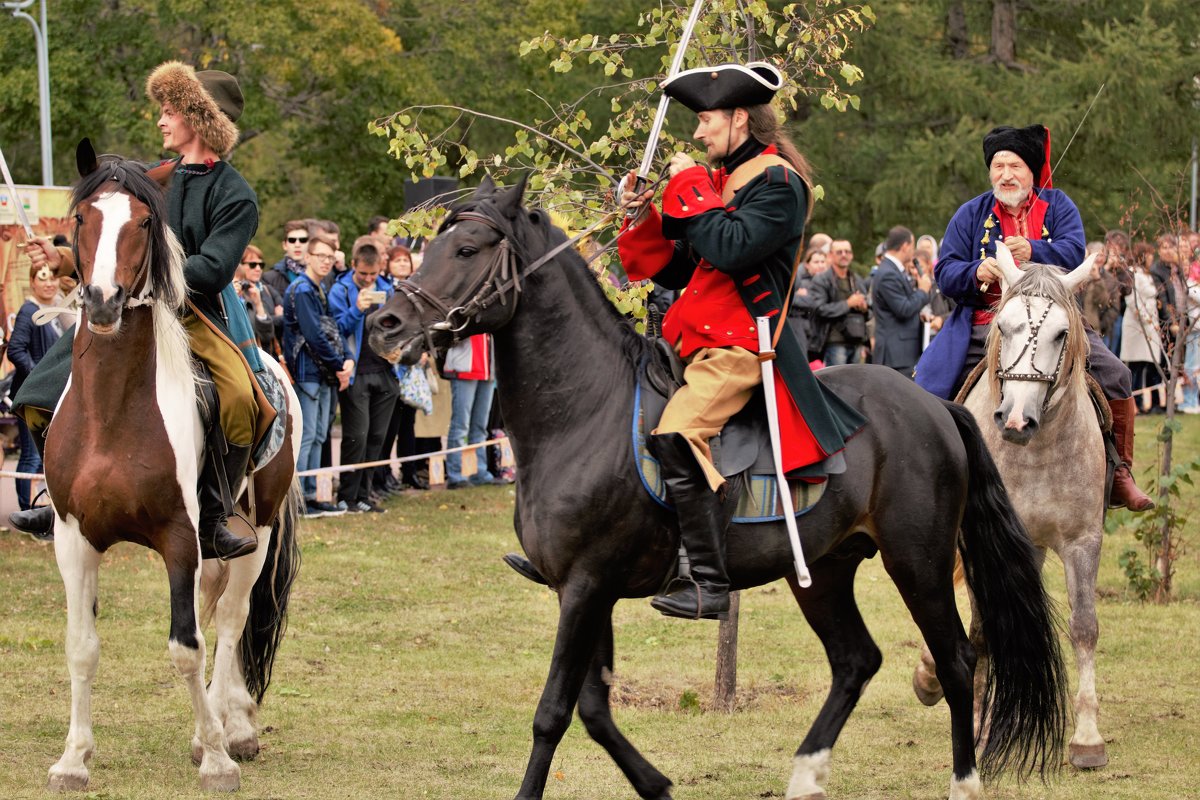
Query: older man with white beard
{"x": 1039, "y": 224}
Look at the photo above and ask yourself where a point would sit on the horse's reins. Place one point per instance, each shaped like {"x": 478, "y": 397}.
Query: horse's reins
{"x": 1030, "y": 346}
{"x": 502, "y": 277}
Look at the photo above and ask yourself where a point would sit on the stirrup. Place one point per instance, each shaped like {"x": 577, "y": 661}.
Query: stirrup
{"x": 662, "y": 603}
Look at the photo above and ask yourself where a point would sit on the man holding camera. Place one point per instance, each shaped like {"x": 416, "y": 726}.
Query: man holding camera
{"x": 839, "y": 316}
{"x": 368, "y": 401}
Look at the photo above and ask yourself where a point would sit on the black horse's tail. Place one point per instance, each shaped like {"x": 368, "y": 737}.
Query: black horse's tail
{"x": 267, "y": 619}
{"x": 1026, "y": 690}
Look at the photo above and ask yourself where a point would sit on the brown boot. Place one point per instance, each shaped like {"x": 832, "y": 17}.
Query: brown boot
{"x": 1124, "y": 491}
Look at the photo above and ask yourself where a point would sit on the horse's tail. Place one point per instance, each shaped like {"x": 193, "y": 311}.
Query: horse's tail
{"x": 1026, "y": 689}
{"x": 267, "y": 619}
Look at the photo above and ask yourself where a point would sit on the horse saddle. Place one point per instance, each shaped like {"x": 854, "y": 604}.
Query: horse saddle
{"x": 269, "y": 443}
{"x": 743, "y": 446}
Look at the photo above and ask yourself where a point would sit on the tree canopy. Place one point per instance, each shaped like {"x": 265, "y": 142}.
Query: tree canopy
{"x": 892, "y": 104}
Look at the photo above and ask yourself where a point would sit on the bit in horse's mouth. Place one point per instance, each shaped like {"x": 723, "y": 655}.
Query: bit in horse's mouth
{"x": 103, "y": 330}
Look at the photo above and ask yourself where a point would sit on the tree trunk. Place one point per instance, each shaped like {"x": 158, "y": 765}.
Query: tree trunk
{"x": 958, "y": 41}
{"x": 1164, "y": 561}
{"x": 1004, "y": 31}
{"x": 725, "y": 692}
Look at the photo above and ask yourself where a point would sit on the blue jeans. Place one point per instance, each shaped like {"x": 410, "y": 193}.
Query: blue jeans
{"x": 30, "y": 461}
{"x": 470, "y": 405}
{"x": 316, "y": 403}
{"x": 1191, "y": 394}
{"x": 836, "y": 354}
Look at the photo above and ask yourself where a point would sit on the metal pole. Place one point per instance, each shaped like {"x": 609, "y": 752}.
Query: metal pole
{"x": 40, "y": 36}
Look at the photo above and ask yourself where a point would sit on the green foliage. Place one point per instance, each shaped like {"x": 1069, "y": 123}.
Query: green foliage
{"x": 1142, "y": 561}
{"x": 689, "y": 701}
{"x": 577, "y": 152}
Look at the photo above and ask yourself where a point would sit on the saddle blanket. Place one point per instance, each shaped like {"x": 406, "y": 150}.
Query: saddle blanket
{"x": 759, "y": 499}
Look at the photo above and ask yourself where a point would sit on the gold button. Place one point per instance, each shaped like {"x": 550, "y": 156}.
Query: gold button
{"x": 729, "y": 333}
{"x": 695, "y": 291}
{"x": 713, "y": 75}
{"x": 752, "y": 329}
{"x": 708, "y": 327}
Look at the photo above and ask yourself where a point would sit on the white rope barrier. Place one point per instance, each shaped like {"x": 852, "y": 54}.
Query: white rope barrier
{"x": 506, "y": 460}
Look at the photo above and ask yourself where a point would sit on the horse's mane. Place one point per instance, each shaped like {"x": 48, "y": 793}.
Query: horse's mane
{"x": 531, "y": 234}
{"x": 165, "y": 257}
{"x": 1045, "y": 280}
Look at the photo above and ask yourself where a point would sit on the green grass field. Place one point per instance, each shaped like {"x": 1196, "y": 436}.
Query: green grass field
{"x": 414, "y": 659}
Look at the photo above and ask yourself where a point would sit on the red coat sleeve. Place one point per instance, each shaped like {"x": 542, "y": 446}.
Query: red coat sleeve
{"x": 643, "y": 249}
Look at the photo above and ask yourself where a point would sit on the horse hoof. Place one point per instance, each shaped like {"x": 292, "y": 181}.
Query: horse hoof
{"x": 1088, "y": 756}
{"x": 229, "y": 781}
{"x": 926, "y": 687}
{"x": 68, "y": 781}
{"x": 817, "y": 796}
{"x": 244, "y": 750}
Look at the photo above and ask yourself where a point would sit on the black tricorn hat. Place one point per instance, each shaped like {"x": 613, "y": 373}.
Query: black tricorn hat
{"x": 1032, "y": 144}
{"x": 724, "y": 86}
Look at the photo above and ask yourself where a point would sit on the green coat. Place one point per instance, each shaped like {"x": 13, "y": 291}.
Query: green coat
{"x": 214, "y": 214}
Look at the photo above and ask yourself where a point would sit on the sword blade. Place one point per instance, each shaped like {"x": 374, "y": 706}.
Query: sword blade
{"x": 12, "y": 191}
{"x": 785, "y": 494}
{"x": 664, "y": 101}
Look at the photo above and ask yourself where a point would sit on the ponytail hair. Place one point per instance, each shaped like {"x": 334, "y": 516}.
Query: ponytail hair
{"x": 764, "y": 126}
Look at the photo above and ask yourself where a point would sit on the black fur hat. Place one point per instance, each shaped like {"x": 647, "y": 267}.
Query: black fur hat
{"x": 725, "y": 86}
{"x": 1032, "y": 144}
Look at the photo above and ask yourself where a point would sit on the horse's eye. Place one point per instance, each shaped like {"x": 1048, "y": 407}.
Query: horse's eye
{"x": 467, "y": 252}
{"x": 79, "y": 219}
{"x": 145, "y": 224}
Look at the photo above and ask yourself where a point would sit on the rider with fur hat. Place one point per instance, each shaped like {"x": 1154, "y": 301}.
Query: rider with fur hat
{"x": 214, "y": 212}
{"x": 1039, "y": 224}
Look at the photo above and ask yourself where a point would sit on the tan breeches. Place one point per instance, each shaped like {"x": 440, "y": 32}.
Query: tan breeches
{"x": 718, "y": 383}
{"x": 239, "y": 408}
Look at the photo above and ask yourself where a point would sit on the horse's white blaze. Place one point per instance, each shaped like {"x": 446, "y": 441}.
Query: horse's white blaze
{"x": 969, "y": 788}
{"x": 115, "y": 210}
{"x": 809, "y": 773}
{"x": 79, "y": 564}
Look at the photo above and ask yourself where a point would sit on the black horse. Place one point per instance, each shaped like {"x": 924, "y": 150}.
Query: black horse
{"x": 919, "y": 485}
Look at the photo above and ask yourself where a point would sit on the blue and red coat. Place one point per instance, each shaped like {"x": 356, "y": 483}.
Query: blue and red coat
{"x": 733, "y": 262}
{"x": 1051, "y": 223}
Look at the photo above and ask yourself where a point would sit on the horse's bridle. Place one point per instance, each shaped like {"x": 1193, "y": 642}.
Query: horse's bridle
{"x": 500, "y": 282}
{"x": 146, "y": 298}
{"x": 1006, "y": 373}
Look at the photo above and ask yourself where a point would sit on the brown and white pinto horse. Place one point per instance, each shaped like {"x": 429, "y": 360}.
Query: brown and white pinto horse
{"x": 122, "y": 456}
{"x": 1039, "y": 422}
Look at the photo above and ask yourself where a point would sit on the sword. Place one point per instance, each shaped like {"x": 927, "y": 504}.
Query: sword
{"x": 766, "y": 354}
{"x": 643, "y": 173}
{"x": 12, "y": 191}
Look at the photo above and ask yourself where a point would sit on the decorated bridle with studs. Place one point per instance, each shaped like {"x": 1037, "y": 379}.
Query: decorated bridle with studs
{"x": 1030, "y": 346}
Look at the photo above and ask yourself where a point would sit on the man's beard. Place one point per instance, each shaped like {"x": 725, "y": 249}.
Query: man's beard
{"x": 1010, "y": 197}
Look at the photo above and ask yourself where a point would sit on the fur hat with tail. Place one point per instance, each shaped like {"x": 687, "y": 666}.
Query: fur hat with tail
{"x": 211, "y": 101}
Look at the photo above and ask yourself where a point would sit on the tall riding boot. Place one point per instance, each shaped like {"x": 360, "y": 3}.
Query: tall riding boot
{"x": 38, "y": 522}
{"x": 702, "y": 529}
{"x": 216, "y": 540}
{"x": 1124, "y": 491}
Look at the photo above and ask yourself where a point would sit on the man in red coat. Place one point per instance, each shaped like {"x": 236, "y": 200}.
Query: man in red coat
{"x": 728, "y": 239}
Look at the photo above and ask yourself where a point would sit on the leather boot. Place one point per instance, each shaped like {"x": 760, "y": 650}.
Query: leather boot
{"x": 1124, "y": 491}
{"x": 216, "y": 540}
{"x": 38, "y": 521}
{"x": 705, "y": 595}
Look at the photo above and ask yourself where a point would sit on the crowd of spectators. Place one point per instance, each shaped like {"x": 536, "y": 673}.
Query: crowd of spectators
{"x": 310, "y": 310}
{"x": 310, "y": 307}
